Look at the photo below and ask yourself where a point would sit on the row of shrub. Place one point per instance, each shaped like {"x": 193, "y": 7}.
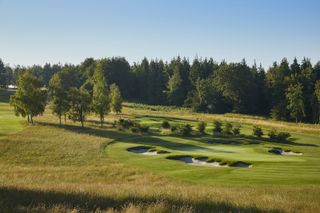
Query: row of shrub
{"x": 186, "y": 129}
{"x": 135, "y": 127}
{"x": 272, "y": 134}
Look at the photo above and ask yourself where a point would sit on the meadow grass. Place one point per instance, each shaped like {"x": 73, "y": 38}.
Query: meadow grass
{"x": 46, "y": 168}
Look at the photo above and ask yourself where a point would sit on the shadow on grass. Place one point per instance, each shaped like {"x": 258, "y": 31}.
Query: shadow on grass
{"x": 246, "y": 140}
{"x": 23, "y": 200}
{"x": 148, "y": 139}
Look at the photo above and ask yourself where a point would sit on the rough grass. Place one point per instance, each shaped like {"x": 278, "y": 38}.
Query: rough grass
{"x": 44, "y": 168}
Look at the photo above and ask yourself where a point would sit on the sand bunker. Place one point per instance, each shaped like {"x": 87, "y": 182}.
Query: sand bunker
{"x": 200, "y": 162}
{"x": 241, "y": 164}
{"x": 203, "y": 161}
{"x": 145, "y": 150}
{"x": 280, "y": 151}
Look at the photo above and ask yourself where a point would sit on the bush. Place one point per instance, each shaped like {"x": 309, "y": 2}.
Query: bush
{"x": 227, "y": 129}
{"x": 217, "y": 127}
{"x": 144, "y": 128}
{"x": 283, "y": 136}
{"x": 236, "y": 130}
{"x": 202, "y": 127}
{"x": 173, "y": 128}
{"x": 165, "y": 124}
{"x": 185, "y": 130}
{"x": 272, "y": 134}
{"x": 124, "y": 123}
{"x": 139, "y": 128}
{"x": 257, "y": 131}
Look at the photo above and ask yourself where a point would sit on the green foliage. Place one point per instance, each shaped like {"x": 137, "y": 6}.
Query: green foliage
{"x": 184, "y": 129}
{"x": 80, "y": 101}
{"x": 165, "y": 125}
{"x": 202, "y": 127}
{"x": 236, "y": 130}
{"x": 116, "y": 99}
{"x": 257, "y": 131}
{"x": 295, "y": 101}
{"x": 29, "y": 99}
{"x": 217, "y": 127}
{"x": 173, "y": 128}
{"x": 227, "y": 129}
{"x": 101, "y": 96}
{"x": 59, "y": 97}
{"x": 281, "y": 136}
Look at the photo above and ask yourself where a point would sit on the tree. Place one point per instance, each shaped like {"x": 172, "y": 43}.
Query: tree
{"x": 116, "y": 99}
{"x": 235, "y": 82}
{"x": 317, "y": 96}
{"x": 80, "y": 104}
{"x": 295, "y": 104}
{"x": 59, "y": 96}
{"x": 30, "y": 99}
{"x": 101, "y": 97}
{"x": 3, "y": 75}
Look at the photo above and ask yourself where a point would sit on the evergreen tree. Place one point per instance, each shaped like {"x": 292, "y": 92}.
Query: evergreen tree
{"x": 3, "y": 76}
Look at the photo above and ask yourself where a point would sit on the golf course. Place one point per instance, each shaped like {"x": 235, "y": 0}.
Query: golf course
{"x": 45, "y": 167}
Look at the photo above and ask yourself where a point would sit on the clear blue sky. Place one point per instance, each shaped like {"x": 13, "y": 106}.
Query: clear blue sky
{"x": 39, "y": 31}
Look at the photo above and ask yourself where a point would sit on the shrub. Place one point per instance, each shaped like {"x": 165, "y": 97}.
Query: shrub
{"x": 283, "y": 136}
{"x": 144, "y": 128}
{"x": 236, "y": 130}
{"x": 165, "y": 124}
{"x": 202, "y": 127}
{"x": 272, "y": 134}
{"x": 136, "y": 128}
{"x": 173, "y": 128}
{"x": 227, "y": 129}
{"x": 125, "y": 123}
{"x": 185, "y": 130}
{"x": 217, "y": 127}
{"x": 257, "y": 131}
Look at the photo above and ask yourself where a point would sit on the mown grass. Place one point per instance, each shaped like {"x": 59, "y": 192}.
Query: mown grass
{"x": 45, "y": 168}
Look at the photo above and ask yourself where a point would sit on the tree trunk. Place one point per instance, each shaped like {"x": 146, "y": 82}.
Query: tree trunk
{"x": 31, "y": 119}
{"x": 81, "y": 117}
{"x": 28, "y": 118}
{"x": 101, "y": 120}
{"x": 59, "y": 120}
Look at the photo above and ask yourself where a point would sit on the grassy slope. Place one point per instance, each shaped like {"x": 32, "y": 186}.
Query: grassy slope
{"x": 8, "y": 122}
{"x": 44, "y": 167}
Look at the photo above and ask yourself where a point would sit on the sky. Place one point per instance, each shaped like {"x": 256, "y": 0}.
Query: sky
{"x": 68, "y": 31}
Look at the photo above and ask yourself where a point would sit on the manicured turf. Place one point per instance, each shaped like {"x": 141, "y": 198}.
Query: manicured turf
{"x": 46, "y": 168}
{"x": 9, "y": 123}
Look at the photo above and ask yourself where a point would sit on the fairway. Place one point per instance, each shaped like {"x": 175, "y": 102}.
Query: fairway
{"x": 69, "y": 168}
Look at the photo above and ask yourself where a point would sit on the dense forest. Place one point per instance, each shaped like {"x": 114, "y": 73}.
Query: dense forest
{"x": 289, "y": 92}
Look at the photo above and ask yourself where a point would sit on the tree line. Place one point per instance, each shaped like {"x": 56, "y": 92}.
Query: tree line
{"x": 286, "y": 91}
